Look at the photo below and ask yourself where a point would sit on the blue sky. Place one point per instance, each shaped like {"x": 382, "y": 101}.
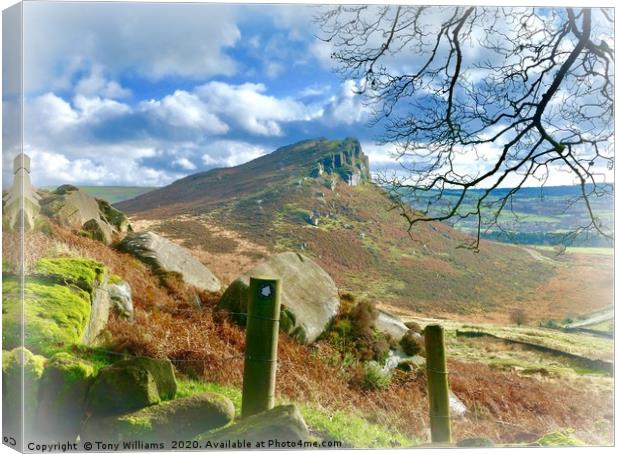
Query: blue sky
{"x": 143, "y": 94}
{"x": 146, "y": 93}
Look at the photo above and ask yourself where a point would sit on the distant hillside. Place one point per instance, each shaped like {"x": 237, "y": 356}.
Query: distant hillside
{"x": 541, "y": 216}
{"x": 112, "y": 194}
{"x": 314, "y": 197}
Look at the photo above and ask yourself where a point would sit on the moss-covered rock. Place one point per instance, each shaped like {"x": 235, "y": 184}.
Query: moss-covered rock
{"x": 86, "y": 274}
{"x": 179, "y": 419}
{"x": 283, "y": 423}
{"x": 113, "y": 216}
{"x": 58, "y": 305}
{"x": 12, "y": 364}
{"x": 62, "y": 394}
{"x": 55, "y": 315}
{"x": 130, "y": 385}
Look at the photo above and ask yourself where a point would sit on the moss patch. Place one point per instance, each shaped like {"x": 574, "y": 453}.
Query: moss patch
{"x": 55, "y": 315}
{"x": 83, "y": 273}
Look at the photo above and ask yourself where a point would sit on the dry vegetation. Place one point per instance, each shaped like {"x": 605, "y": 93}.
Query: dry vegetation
{"x": 504, "y": 406}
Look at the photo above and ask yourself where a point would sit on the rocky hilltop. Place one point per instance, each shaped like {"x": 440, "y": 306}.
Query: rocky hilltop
{"x": 329, "y": 161}
{"x": 313, "y": 198}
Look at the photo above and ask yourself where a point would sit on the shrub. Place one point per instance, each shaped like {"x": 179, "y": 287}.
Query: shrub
{"x": 412, "y": 344}
{"x": 518, "y": 317}
{"x": 414, "y": 326}
{"x": 374, "y": 378}
{"x": 363, "y": 316}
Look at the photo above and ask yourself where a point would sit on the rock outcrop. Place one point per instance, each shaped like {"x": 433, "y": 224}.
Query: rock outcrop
{"x": 130, "y": 385}
{"x": 346, "y": 160}
{"x": 95, "y": 217}
{"x": 283, "y": 423}
{"x": 180, "y": 419}
{"x": 165, "y": 256}
{"x": 309, "y": 295}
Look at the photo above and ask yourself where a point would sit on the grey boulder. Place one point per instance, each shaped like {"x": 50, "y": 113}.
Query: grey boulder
{"x": 164, "y": 255}
{"x": 390, "y": 324}
{"x": 309, "y": 295}
{"x": 179, "y": 419}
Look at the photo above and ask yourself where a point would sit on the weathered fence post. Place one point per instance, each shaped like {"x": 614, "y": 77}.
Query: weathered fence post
{"x": 438, "y": 394}
{"x": 261, "y": 346}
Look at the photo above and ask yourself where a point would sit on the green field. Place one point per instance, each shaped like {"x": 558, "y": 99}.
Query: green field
{"x": 113, "y": 194}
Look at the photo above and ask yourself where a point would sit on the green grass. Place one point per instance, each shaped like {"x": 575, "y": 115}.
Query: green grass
{"x": 522, "y": 358}
{"x": 351, "y": 429}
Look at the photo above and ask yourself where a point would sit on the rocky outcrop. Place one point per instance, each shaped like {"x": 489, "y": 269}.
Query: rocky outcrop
{"x": 309, "y": 295}
{"x": 130, "y": 385}
{"x": 62, "y": 394}
{"x": 180, "y": 419}
{"x": 95, "y": 217}
{"x": 347, "y": 160}
{"x": 283, "y": 423}
{"x": 165, "y": 256}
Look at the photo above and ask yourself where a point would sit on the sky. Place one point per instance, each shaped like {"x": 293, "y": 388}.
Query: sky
{"x": 143, "y": 94}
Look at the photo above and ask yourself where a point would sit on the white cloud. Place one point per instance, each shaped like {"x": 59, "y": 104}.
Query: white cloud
{"x": 154, "y": 40}
{"x": 184, "y": 163}
{"x": 96, "y": 84}
{"x": 347, "y": 107}
{"x": 253, "y": 110}
{"x": 183, "y": 109}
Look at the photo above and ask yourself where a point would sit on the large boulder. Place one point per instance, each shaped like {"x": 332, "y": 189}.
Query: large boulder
{"x": 74, "y": 207}
{"x": 62, "y": 394}
{"x": 130, "y": 385}
{"x": 65, "y": 303}
{"x": 164, "y": 255}
{"x": 281, "y": 424}
{"x": 309, "y": 295}
{"x": 179, "y": 419}
{"x": 21, "y": 375}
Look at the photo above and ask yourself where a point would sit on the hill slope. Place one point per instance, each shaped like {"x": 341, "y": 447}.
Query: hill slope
{"x": 314, "y": 197}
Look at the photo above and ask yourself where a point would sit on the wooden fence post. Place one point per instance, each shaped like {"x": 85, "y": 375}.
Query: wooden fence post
{"x": 261, "y": 346}
{"x": 438, "y": 394}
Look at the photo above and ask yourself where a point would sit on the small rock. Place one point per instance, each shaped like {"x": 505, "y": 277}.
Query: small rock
{"x": 390, "y": 324}
{"x": 120, "y": 295}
